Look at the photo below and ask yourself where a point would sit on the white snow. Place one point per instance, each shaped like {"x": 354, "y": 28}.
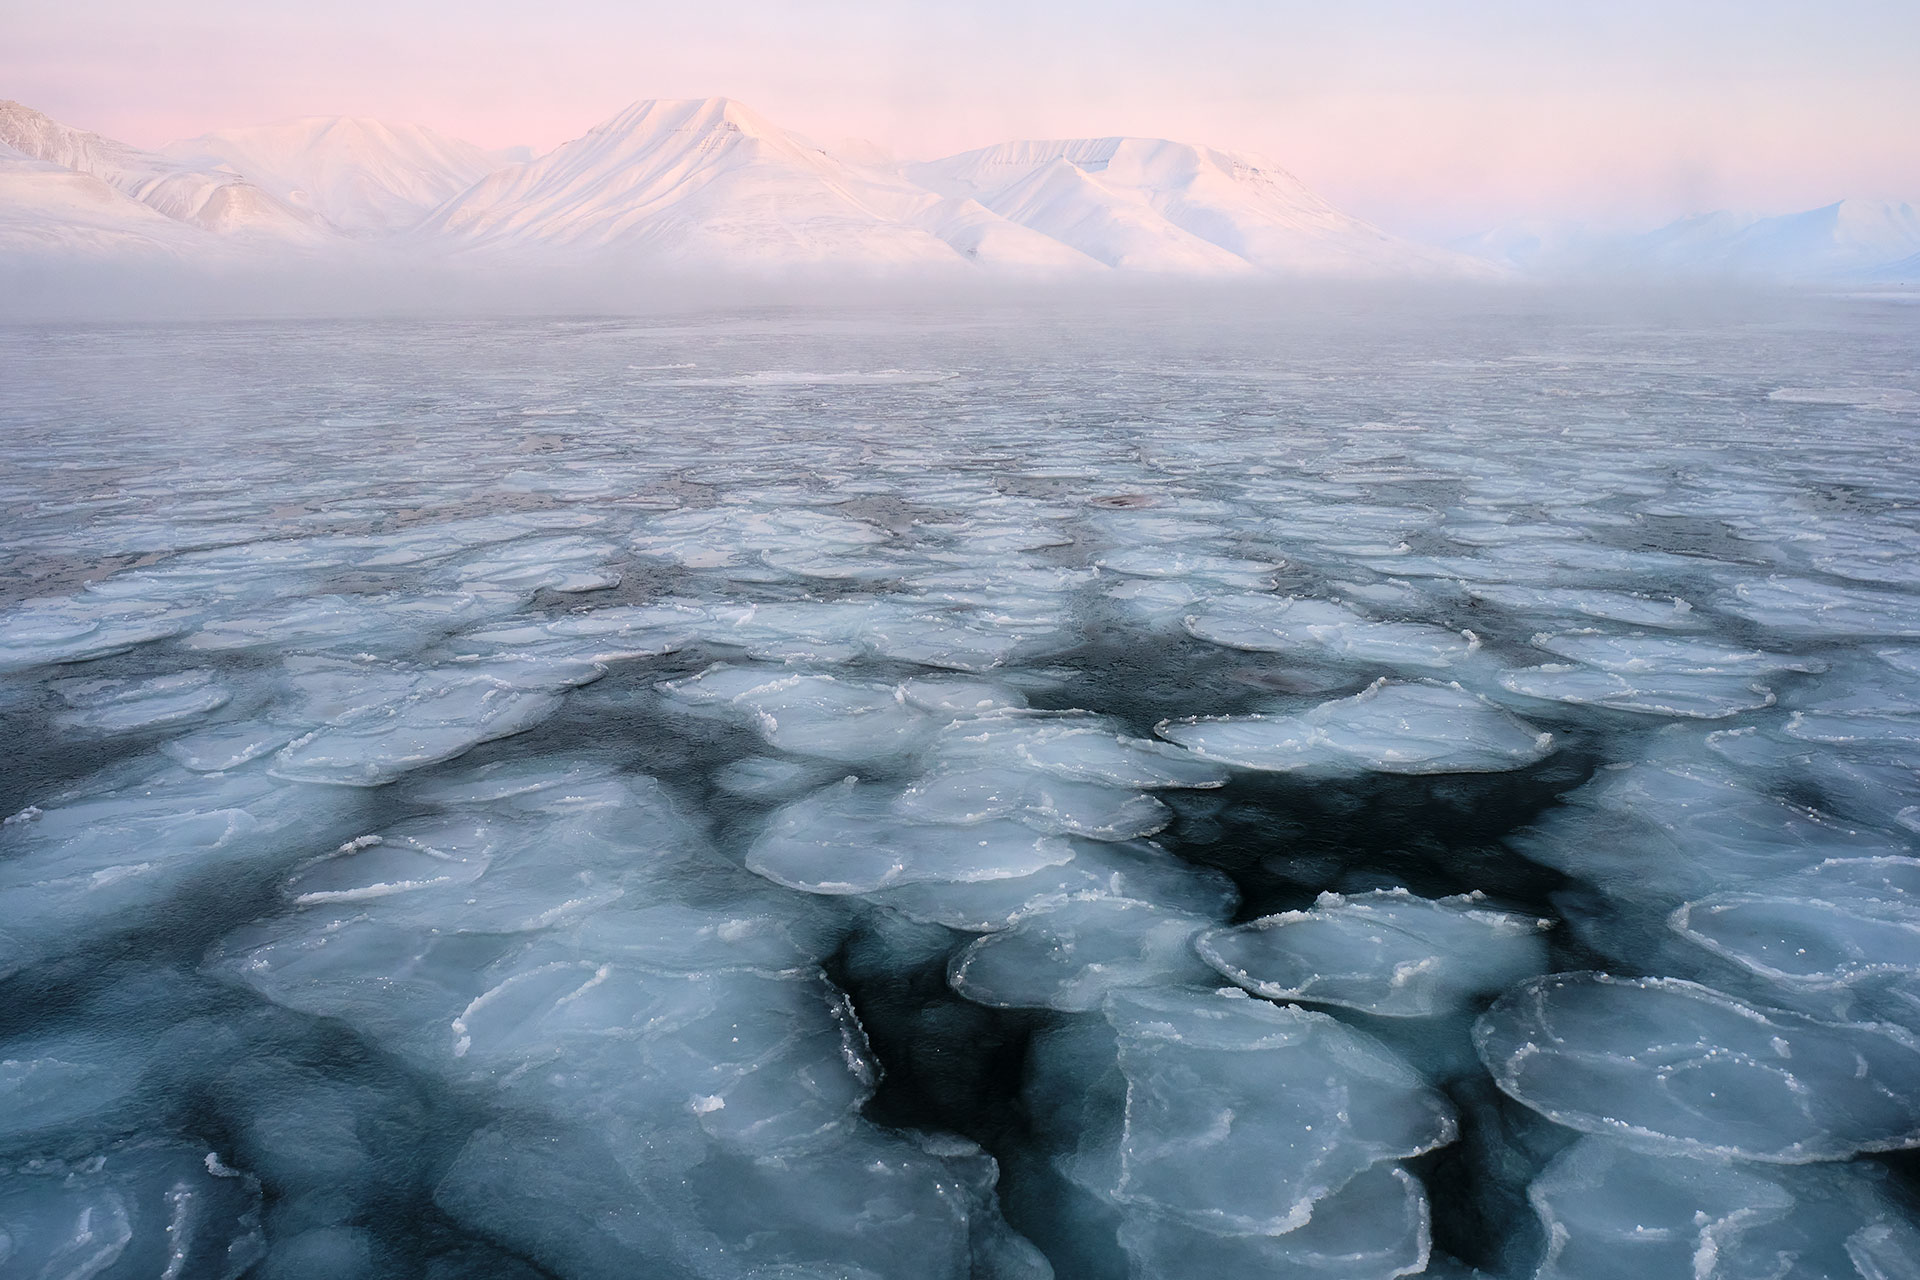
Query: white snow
{"x": 363, "y": 176}
{"x": 212, "y": 199}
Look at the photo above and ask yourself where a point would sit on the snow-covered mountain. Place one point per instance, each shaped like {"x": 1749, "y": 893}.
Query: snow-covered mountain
{"x": 363, "y": 176}
{"x": 709, "y": 184}
{"x": 708, "y": 181}
{"x": 53, "y": 214}
{"x": 213, "y": 199}
{"x": 1154, "y": 205}
{"x": 1852, "y": 240}
{"x": 1905, "y": 271}
{"x": 1846, "y": 238}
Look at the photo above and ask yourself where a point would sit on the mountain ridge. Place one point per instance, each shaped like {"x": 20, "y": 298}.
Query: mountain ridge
{"x": 225, "y": 203}
{"x": 669, "y": 185}
{"x": 363, "y": 176}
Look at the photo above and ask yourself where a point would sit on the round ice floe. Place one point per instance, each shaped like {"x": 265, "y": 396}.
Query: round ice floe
{"x": 1136, "y": 869}
{"x": 1612, "y": 1213}
{"x": 833, "y": 719}
{"x": 91, "y": 861}
{"x": 1068, "y": 955}
{"x": 1670, "y": 655}
{"x": 960, "y": 696}
{"x": 1374, "y": 1228}
{"x": 1834, "y": 924}
{"x": 123, "y": 706}
{"x": 1189, "y": 564}
{"x": 1291, "y": 624}
{"x": 150, "y": 1207}
{"x": 1074, "y": 746}
{"x": 1668, "y": 828}
{"x": 335, "y": 621}
{"x": 852, "y": 838}
{"x": 538, "y": 782}
{"x": 445, "y": 718}
{"x": 1696, "y": 697}
{"x": 53, "y": 1085}
{"x": 1156, "y": 600}
{"x": 1388, "y": 728}
{"x": 773, "y": 934}
{"x": 87, "y": 627}
{"x": 723, "y": 537}
{"x": 564, "y": 564}
{"x": 1610, "y": 606}
{"x": 955, "y": 641}
{"x": 721, "y": 684}
{"x": 599, "y": 635}
{"x": 1799, "y": 606}
{"x": 770, "y": 777}
{"x": 1241, "y": 1116}
{"x": 379, "y": 867}
{"x": 396, "y": 984}
{"x": 226, "y": 746}
{"x": 1854, "y": 728}
{"x": 1673, "y": 1066}
{"x": 1055, "y": 805}
{"x": 764, "y": 1064}
{"x": 811, "y": 715}
{"x": 1387, "y": 952}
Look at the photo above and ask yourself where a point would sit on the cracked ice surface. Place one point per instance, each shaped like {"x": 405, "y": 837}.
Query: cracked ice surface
{"x": 1335, "y": 798}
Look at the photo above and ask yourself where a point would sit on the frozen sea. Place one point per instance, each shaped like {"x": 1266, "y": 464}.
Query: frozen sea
{"x": 1316, "y": 790}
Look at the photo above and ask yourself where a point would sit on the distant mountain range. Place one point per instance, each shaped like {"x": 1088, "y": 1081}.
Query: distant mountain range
{"x": 1849, "y": 241}
{"x": 709, "y": 184}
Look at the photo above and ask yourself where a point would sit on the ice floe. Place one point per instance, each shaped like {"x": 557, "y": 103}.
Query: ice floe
{"x": 1390, "y": 727}
{"x": 1674, "y": 1067}
{"x": 514, "y": 813}
{"x": 1386, "y": 952}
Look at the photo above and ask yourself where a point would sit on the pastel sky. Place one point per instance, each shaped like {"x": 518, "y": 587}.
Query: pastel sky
{"x": 1432, "y": 118}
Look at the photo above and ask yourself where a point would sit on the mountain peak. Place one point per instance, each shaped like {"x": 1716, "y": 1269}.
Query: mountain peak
{"x": 1156, "y": 204}
{"x": 212, "y": 198}
{"x": 710, "y": 180}
{"x": 688, "y": 115}
{"x": 364, "y": 176}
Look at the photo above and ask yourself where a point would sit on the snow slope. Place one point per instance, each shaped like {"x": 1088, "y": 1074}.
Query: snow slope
{"x": 1844, "y": 238}
{"x": 1905, "y": 271}
{"x": 1154, "y": 205}
{"x": 212, "y": 199}
{"x": 363, "y": 176}
{"x": 49, "y": 212}
{"x": 1850, "y": 240}
{"x": 708, "y": 181}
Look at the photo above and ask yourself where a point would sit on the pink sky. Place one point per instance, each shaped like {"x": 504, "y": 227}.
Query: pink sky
{"x": 1425, "y": 117}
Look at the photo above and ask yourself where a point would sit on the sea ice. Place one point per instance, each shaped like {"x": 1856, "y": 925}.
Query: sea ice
{"x": 1834, "y": 924}
{"x": 1612, "y": 1213}
{"x": 144, "y": 1208}
{"x": 440, "y": 716}
{"x": 1673, "y": 1067}
{"x": 1390, "y": 727}
{"x": 1665, "y": 829}
{"x": 853, "y": 838}
{"x": 1290, "y": 624}
{"x": 1242, "y": 1116}
{"x": 857, "y": 844}
{"x": 56, "y": 631}
{"x": 126, "y": 706}
{"x": 1694, "y": 697}
{"x": 1137, "y": 869}
{"x": 1069, "y": 954}
{"x": 1374, "y": 1228}
{"x": 1386, "y": 953}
